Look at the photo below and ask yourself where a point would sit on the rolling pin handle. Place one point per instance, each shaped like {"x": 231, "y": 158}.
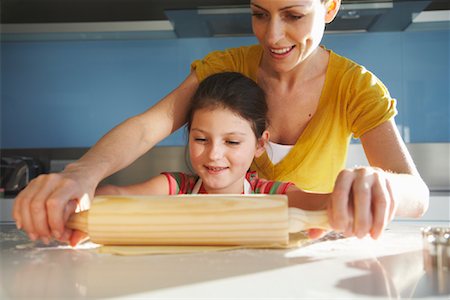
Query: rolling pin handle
{"x": 300, "y": 220}
{"x": 79, "y": 221}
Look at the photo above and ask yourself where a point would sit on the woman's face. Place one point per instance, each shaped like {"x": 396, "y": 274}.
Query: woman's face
{"x": 288, "y": 30}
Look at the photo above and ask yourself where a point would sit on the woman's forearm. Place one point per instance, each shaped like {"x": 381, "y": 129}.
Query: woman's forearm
{"x": 411, "y": 194}
{"x": 114, "y": 151}
{"x": 134, "y": 137}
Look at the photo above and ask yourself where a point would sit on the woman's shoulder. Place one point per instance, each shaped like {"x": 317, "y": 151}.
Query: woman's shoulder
{"x": 341, "y": 64}
{"x": 244, "y": 59}
{"x": 236, "y": 53}
{"x": 353, "y": 78}
{"x": 347, "y": 69}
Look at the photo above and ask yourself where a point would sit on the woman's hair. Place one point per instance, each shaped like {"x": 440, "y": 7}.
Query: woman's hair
{"x": 235, "y": 92}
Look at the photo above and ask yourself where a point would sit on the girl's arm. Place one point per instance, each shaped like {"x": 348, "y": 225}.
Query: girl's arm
{"x": 157, "y": 185}
{"x": 307, "y": 200}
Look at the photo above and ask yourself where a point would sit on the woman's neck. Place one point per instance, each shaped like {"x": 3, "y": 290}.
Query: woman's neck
{"x": 313, "y": 66}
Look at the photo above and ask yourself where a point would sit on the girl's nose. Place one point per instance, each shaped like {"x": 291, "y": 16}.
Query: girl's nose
{"x": 275, "y": 31}
{"x": 215, "y": 151}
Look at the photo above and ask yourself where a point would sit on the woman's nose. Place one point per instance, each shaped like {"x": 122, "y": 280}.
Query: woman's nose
{"x": 275, "y": 31}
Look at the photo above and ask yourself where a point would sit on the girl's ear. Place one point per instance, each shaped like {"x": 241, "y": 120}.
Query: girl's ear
{"x": 332, "y": 7}
{"x": 261, "y": 143}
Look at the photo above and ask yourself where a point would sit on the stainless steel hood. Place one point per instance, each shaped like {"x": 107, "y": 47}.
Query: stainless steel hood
{"x": 354, "y": 16}
{"x": 197, "y": 18}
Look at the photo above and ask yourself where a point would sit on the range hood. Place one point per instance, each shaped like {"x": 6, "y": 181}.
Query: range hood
{"x": 197, "y": 18}
{"x": 354, "y": 16}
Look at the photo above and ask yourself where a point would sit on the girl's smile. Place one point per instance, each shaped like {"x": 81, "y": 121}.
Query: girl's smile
{"x": 215, "y": 170}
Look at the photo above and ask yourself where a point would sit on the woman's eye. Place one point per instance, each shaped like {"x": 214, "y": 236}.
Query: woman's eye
{"x": 258, "y": 15}
{"x": 294, "y": 17}
{"x": 200, "y": 140}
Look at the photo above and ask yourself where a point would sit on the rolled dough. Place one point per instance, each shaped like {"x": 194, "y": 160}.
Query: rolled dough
{"x": 295, "y": 240}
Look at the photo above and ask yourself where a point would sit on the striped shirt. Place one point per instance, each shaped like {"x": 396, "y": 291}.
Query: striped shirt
{"x": 182, "y": 183}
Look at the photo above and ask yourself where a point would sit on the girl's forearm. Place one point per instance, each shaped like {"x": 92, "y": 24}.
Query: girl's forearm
{"x": 307, "y": 200}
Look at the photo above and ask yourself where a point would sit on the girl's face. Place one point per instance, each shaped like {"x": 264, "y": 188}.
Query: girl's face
{"x": 222, "y": 146}
{"x": 290, "y": 30}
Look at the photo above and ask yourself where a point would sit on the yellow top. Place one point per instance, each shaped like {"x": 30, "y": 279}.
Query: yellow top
{"x": 353, "y": 101}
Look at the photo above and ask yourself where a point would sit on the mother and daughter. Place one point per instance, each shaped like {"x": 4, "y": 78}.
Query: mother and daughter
{"x": 316, "y": 100}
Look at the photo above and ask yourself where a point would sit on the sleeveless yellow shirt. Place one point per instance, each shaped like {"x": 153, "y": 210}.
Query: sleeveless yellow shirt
{"x": 353, "y": 101}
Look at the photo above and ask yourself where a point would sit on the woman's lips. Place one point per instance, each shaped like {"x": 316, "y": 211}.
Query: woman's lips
{"x": 281, "y": 52}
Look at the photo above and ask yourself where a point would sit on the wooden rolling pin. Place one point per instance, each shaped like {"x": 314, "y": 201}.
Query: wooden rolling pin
{"x": 194, "y": 220}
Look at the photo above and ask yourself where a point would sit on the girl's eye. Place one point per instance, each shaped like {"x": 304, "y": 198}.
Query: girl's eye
{"x": 233, "y": 143}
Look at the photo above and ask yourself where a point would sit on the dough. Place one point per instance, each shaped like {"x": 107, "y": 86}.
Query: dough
{"x": 295, "y": 240}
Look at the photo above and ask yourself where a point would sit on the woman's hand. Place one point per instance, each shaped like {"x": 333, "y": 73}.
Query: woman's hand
{"x": 362, "y": 202}
{"x": 45, "y": 205}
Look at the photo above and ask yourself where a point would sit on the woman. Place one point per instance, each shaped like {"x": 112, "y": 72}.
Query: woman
{"x": 301, "y": 80}
{"x": 226, "y": 125}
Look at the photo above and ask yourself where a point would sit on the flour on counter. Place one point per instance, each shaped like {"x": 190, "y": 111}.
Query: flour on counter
{"x": 10, "y": 237}
{"x": 55, "y": 245}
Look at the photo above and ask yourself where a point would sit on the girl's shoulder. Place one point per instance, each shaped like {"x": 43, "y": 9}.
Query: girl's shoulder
{"x": 180, "y": 183}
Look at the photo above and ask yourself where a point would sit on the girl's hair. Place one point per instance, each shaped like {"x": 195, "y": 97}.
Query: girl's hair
{"x": 235, "y": 92}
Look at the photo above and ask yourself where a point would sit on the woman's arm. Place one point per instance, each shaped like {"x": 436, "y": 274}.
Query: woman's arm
{"x": 43, "y": 207}
{"x": 366, "y": 199}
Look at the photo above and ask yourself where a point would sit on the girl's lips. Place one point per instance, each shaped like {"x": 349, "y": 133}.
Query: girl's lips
{"x": 215, "y": 170}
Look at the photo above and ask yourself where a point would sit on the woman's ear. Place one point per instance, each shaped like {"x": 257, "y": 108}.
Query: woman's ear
{"x": 261, "y": 143}
{"x": 332, "y": 7}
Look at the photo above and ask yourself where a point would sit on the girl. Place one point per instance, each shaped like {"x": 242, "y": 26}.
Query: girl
{"x": 227, "y": 130}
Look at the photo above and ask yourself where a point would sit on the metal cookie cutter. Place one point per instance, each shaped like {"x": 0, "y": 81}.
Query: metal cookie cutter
{"x": 436, "y": 248}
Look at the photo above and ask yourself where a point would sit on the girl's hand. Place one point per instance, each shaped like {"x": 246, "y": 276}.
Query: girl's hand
{"x": 108, "y": 189}
{"x": 45, "y": 205}
{"x": 362, "y": 202}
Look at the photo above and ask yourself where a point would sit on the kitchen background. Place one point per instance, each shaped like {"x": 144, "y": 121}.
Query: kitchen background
{"x": 70, "y": 70}
{"x": 63, "y": 87}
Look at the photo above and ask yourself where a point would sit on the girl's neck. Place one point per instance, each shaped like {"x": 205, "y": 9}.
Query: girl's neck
{"x": 235, "y": 189}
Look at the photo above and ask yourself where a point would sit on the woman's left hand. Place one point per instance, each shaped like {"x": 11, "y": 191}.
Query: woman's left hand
{"x": 362, "y": 202}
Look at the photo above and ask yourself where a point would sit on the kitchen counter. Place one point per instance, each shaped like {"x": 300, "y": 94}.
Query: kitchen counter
{"x": 390, "y": 268}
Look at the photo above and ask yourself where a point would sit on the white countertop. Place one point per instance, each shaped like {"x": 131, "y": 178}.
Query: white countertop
{"x": 390, "y": 268}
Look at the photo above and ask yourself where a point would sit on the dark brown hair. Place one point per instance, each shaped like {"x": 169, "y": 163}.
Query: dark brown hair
{"x": 233, "y": 91}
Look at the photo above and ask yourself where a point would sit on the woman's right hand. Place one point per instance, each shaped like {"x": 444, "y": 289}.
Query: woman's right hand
{"x": 45, "y": 205}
